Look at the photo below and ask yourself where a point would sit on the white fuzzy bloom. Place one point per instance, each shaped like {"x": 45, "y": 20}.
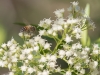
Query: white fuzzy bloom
{"x": 77, "y": 66}
{"x": 26, "y": 61}
{"x": 45, "y": 72}
{"x": 30, "y": 70}
{"x": 61, "y": 53}
{"x": 53, "y": 58}
{"x": 51, "y": 64}
{"x": 30, "y": 57}
{"x": 42, "y": 42}
{"x": 95, "y": 52}
{"x": 9, "y": 43}
{"x": 78, "y": 45}
{"x": 95, "y": 72}
{"x": 71, "y": 61}
{"x": 87, "y": 49}
{"x": 95, "y": 46}
{"x": 9, "y": 66}
{"x": 45, "y": 23}
{"x": 23, "y": 68}
{"x": 93, "y": 64}
{"x": 42, "y": 59}
{"x": 60, "y": 21}
{"x": 69, "y": 53}
{"x": 14, "y": 59}
{"x": 1, "y": 63}
{"x": 21, "y": 34}
{"x": 37, "y": 38}
{"x": 59, "y": 13}
{"x": 4, "y": 46}
{"x": 68, "y": 73}
{"x": 72, "y": 21}
{"x": 11, "y": 73}
{"x": 75, "y": 3}
{"x": 54, "y": 33}
{"x": 22, "y": 56}
{"x": 47, "y": 46}
{"x": 77, "y": 36}
{"x": 50, "y": 31}
{"x": 77, "y": 30}
{"x": 82, "y": 71}
{"x": 36, "y": 48}
{"x": 42, "y": 32}
{"x": 41, "y": 66}
{"x": 68, "y": 38}
{"x": 48, "y": 21}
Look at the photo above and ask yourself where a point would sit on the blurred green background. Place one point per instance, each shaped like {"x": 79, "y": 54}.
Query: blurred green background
{"x": 32, "y": 11}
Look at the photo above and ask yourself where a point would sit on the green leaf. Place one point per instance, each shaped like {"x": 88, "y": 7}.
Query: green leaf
{"x": 21, "y": 24}
{"x": 85, "y": 40}
{"x": 2, "y": 34}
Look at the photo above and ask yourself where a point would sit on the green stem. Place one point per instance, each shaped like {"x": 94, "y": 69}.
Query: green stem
{"x": 59, "y": 42}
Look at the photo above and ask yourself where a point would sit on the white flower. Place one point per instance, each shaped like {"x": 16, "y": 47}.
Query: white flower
{"x": 54, "y": 33}
{"x": 59, "y": 13}
{"x": 23, "y": 68}
{"x": 77, "y": 66}
{"x": 4, "y": 46}
{"x": 48, "y": 21}
{"x": 71, "y": 61}
{"x": 93, "y": 64}
{"x": 53, "y": 58}
{"x": 73, "y": 21}
{"x": 26, "y": 61}
{"x": 61, "y": 53}
{"x": 96, "y": 52}
{"x": 78, "y": 45}
{"x": 30, "y": 57}
{"x": 75, "y": 3}
{"x": 43, "y": 59}
{"x": 39, "y": 73}
{"x": 14, "y": 59}
{"x": 41, "y": 66}
{"x": 82, "y": 71}
{"x": 77, "y": 30}
{"x": 9, "y": 66}
{"x": 68, "y": 38}
{"x": 36, "y": 48}
{"x": 68, "y": 73}
{"x": 95, "y": 72}
{"x": 47, "y": 46}
{"x": 22, "y": 56}
{"x": 42, "y": 42}
{"x": 11, "y": 73}
{"x": 77, "y": 36}
{"x": 42, "y": 32}
{"x": 1, "y": 63}
{"x": 60, "y": 21}
{"x": 69, "y": 53}
{"x": 45, "y": 72}
{"x": 45, "y": 23}
{"x": 50, "y": 31}
{"x": 21, "y": 34}
{"x": 87, "y": 49}
{"x": 95, "y": 46}
{"x": 51, "y": 64}
{"x": 30, "y": 70}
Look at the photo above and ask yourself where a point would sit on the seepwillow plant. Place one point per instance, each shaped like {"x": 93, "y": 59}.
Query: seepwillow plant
{"x": 38, "y": 56}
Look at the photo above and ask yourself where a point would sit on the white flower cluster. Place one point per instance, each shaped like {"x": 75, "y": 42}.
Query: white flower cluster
{"x": 36, "y": 57}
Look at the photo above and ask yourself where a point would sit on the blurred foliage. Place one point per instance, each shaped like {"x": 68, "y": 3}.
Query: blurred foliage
{"x": 85, "y": 39}
{"x": 2, "y": 34}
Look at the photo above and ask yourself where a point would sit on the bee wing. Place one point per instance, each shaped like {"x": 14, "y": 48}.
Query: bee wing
{"x": 21, "y": 24}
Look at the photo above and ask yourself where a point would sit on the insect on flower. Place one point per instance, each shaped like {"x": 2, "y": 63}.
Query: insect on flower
{"x": 28, "y": 29}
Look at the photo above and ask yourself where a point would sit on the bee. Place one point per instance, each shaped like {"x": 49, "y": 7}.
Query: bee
{"x": 28, "y": 29}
